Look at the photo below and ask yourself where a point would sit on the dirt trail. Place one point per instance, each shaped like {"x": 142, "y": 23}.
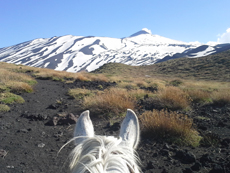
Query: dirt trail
{"x": 30, "y": 144}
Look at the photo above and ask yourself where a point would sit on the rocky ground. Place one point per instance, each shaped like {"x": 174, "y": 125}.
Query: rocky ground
{"x": 32, "y": 133}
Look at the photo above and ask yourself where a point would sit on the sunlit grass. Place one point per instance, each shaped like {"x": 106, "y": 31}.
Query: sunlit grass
{"x": 170, "y": 126}
{"x": 173, "y": 98}
{"x": 6, "y": 76}
{"x": 221, "y": 97}
{"x": 44, "y": 73}
{"x": 205, "y": 85}
{"x": 16, "y": 82}
{"x": 171, "y": 93}
{"x": 113, "y": 101}
{"x": 199, "y": 96}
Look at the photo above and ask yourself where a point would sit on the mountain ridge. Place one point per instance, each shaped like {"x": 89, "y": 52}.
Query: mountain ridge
{"x": 77, "y": 53}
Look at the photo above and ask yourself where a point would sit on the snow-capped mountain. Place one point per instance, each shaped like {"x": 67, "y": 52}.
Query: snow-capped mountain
{"x": 76, "y": 53}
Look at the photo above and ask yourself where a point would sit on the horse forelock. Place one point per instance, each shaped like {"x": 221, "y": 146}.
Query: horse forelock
{"x": 101, "y": 154}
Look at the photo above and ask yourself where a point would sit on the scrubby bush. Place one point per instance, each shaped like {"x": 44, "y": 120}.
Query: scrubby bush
{"x": 113, "y": 101}
{"x": 221, "y": 97}
{"x": 170, "y": 126}
{"x": 20, "y": 87}
{"x": 16, "y": 82}
{"x": 199, "y": 96}
{"x": 173, "y": 98}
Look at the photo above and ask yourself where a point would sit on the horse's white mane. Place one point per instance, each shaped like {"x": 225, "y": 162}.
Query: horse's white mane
{"x": 105, "y": 154}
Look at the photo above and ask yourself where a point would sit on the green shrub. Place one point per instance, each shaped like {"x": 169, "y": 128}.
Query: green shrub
{"x": 9, "y": 98}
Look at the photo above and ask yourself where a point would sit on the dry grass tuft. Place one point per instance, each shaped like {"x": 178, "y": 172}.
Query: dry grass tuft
{"x": 199, "y": 96}
{"x": 140, "y": 94}
{"x": 4, "y": 108}
{"x": 204, "y": 85}
{"x": 173, "y": 98}
{"x": 170, "y": 126}
{"x": 98, "y": 77}
{"x": 16, "y": 82}
{"x": 156, "y": 82}
{"x": 6, "y": 75}
{"x": 113, "y": 101}
{"x": 127, "y": 85}
{"x": 141, "y": 83}
{"x": 79, "y": 93}
{"x": 19, "y": 87}
{"x": 44, "y": 73}
{"x": 221, "y": 97}
{"x": 135, "y": 83}
{"x": 17, "y": 68}
{"x": 82, "y": 77}
{"x": 175, "y": 82}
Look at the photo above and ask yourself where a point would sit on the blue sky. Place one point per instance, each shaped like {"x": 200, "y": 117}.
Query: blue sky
{"x": 184, "y": 20}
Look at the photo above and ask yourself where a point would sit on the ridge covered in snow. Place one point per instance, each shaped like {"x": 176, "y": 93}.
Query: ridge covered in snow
{"x": 76, "y": 53}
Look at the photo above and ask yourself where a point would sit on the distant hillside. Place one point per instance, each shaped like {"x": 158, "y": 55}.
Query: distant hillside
{"x": 212, "y": 67}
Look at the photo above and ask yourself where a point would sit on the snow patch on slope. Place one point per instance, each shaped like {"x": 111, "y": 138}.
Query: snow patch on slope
{"x": 210, "y": 50}
{"x": 76, "y": 53}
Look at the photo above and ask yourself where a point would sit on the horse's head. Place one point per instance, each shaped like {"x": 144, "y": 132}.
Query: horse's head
{"x": 102, "y": 154}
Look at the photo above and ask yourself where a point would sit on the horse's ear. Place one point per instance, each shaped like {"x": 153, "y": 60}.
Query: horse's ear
{"x": 130, "y": 131}
{"x": 84, "y": 127}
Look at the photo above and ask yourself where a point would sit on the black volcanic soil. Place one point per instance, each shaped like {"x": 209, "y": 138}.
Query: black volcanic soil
{"x": 29, "y": 140}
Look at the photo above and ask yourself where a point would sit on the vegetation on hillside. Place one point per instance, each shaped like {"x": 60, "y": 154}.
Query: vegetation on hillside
{"x": 169, "y": 88}
{"x": 212, "y": 67}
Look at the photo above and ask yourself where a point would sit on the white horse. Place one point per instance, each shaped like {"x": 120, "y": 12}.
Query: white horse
{"x": 105, "y": 154}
